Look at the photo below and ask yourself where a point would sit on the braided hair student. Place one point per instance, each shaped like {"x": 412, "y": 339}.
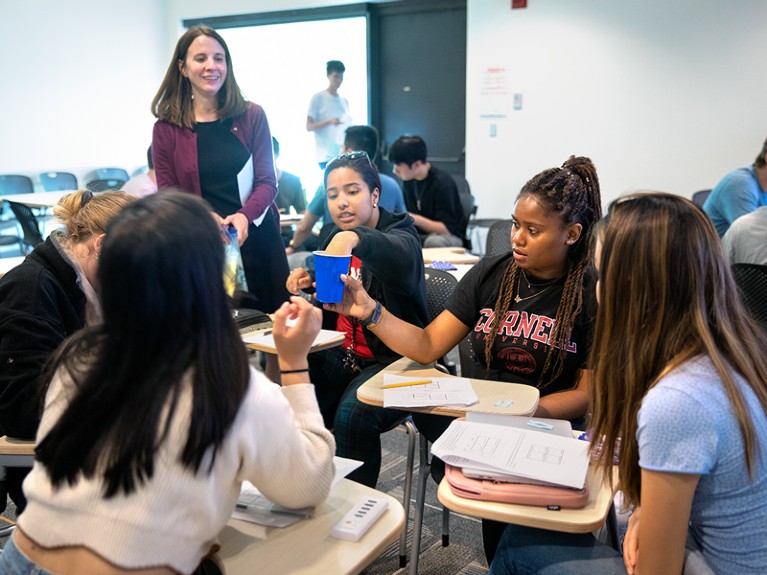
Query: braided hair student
{"x": 528, "y": 313}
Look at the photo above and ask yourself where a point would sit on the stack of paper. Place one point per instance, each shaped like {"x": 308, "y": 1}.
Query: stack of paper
{"x": 512, "y": 451}
{"x": 254, "y": 507}
{"x": 439, "y": 391}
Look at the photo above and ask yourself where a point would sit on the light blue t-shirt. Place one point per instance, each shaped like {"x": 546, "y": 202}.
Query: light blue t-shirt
{"x": 391, "y": 200}
{"x": 687, "y": 425}
{"x": 737, "y": 194}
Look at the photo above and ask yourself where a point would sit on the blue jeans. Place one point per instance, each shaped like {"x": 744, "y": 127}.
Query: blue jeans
{"x": 528, "y": 551}
{"x": 13, "y": 562}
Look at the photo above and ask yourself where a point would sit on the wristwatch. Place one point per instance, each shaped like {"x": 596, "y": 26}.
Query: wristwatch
{"x": 374, "y": 318}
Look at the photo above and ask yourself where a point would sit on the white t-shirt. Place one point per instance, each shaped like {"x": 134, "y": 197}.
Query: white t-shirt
{"x": 329, "y": 139}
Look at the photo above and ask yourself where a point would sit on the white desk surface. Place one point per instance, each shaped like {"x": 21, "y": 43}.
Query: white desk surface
{"x": 7, "y": 264}
{"x": 38, "y": 199}
{"x": 306, "y": 547}
{"x": 452, "y": 255}
{"x": 584, "y": 520}
{"x": 525, "y": 397}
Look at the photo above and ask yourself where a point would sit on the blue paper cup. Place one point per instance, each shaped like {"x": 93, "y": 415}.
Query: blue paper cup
{"x": 327, "y": 275}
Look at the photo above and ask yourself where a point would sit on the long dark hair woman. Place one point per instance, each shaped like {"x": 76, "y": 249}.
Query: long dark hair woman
{"x": 153, "y": 419}
{"x": 528, "y": 313}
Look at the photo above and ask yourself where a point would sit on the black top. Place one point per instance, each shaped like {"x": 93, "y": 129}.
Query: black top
{"x": 392, "y": 272}
{"x": 221, "y": 157}
{"x": 41, "y": 304}
{"x": 520, "y": 348}
{"x": 436, "y": 198}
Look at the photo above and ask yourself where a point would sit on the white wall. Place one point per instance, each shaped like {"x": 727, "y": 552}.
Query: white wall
{"x": 661, "y": 95}
{"x": 78, "y": 80}
{"x": 664, "y": 95}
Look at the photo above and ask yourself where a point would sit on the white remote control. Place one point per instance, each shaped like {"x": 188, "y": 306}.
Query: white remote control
{"x": 356, "y": 522}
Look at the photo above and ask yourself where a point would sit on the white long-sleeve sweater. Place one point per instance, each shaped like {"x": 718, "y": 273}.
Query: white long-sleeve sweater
{"x": 277, "y": 441}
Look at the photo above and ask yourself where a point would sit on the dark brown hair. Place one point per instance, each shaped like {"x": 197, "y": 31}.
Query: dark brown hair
{"x": 173, "y": 101}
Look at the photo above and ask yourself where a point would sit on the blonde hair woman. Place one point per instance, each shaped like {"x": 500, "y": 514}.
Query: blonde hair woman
{"x": 46, "y": 298}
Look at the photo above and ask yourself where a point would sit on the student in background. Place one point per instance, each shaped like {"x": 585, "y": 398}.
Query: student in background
{"x": 43, "y": 300}
{"x": 143, "y": 184}
{"x": 431, "y": 195}
{"x": 680, "y": 379}
{"x": 745, "y": 242}
{"x": 740, "y": 192}
{"x": 154, "y": 418}
{"x": 328, "y": 115}
{"x": 209, "y": 141}
{"x": 386, "y": 257}
{"x": 543, "y": 286}
{"x": 290, "y": 193}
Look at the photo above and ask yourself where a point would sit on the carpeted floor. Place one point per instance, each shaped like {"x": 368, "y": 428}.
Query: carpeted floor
{"x": 463, "y": 556}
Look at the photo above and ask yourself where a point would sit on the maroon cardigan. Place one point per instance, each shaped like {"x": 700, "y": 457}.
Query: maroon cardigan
{"x": 174, "y": 153}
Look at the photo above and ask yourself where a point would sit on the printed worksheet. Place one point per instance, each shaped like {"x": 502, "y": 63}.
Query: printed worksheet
{"x": 515, "y": 451}
{"x": 439, "y": 391}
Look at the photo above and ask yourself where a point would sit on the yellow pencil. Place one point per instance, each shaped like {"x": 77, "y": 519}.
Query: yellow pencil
{"x": 407, "y": 383}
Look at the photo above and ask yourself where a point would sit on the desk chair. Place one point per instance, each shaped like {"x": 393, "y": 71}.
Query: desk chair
{"x": 439, "y": 287}
{"x": 751, "y": 280}
{"x": 498, "y": 238}
{"x": 699, "y": 197}
{"x": 15, "y": 184}
{"x": 468, "y": 205}
{"x": 58, "y": 181}
{"x": 29, "y": 225}
{"x": 97, "y": 186}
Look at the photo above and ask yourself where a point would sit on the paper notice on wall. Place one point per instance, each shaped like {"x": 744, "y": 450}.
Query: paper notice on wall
{"x": 494, "y": 94}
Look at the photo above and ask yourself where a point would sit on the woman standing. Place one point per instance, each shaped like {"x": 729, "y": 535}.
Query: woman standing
{"x": 209, "y": 141}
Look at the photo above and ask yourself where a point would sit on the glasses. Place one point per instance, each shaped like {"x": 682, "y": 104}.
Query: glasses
{"x": 350, "y": 157}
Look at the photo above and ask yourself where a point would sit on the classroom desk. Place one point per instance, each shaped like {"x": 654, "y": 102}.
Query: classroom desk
{"x": 306, "y": 547}
{"x": 16, "y": 452}
{"x": 525, "y": 397}
{"x": 38, "y": 199}
{"x": 525, "y": 401}
{"x": 7, "y": 264}
{"x": 452, "y": 255}
{"x": 289, "y": 220}
{"x": 585, "y": 520}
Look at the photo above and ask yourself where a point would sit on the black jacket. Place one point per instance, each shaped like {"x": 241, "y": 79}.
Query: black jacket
{"x": 392, "y": 272}
{"x": 41, "y": 304}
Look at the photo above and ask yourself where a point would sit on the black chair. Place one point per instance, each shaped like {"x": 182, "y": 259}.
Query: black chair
{"x": 467, "y": 205}
{"x": 29, "y": 225}
{"x": 700, "y": 196}
{"x": 498, "y": 238}
{"x": 97, "y": 186}
{"x": 751, "y": 280}
{"x": 58, "y": 181}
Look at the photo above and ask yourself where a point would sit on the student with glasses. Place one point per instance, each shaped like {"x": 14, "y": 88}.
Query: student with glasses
{"x": 528, "y": 313}
{"x": 680, "y": 383}
{"x": 387, "y": 260}
{"x": 43, "y": 300}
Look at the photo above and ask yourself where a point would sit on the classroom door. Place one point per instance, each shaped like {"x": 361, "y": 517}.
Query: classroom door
{"x": 418, "y": 82}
